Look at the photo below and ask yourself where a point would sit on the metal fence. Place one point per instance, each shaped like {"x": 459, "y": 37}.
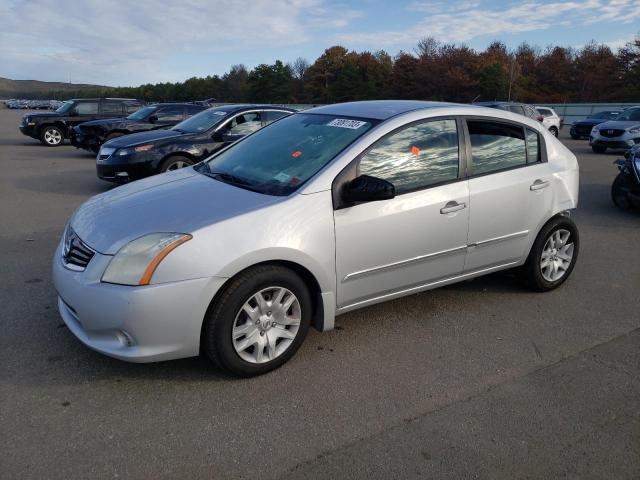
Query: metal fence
{"x": 573, "y": 112}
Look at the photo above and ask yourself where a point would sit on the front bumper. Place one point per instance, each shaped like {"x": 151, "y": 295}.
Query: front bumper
{"x": 86, "y": 142}
{"x": 627, "y": 140}
{"x": 28, "y": 130}
{"x": 136, "y": 324}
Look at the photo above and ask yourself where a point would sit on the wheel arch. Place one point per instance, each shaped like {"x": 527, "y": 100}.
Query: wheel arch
{"x": 319, "y": 301}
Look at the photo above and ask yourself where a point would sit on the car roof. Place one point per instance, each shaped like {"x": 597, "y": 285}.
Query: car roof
{"x": 102, "y": 98}
{"x": 376, "y": 109}
{"x": 232, "y": 108}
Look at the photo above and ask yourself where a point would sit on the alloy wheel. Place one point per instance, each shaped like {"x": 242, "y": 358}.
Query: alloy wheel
{"x": 52, "y": 136}
{"x": 266, "y": 325}
{"x": 177, "y": 164}
{"x": 557, "y": 255}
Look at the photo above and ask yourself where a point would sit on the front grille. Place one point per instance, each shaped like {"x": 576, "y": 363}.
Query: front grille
{"x": 76, "y": 254}
{"x": 610, "y": 133}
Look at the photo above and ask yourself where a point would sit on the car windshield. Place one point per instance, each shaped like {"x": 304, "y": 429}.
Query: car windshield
{"x": 143, "y": 113}
{"x": 604, "y": 115}
{"x": 65, "y": 107}
{"x": 632, "y": 114}
{"x": 202, "y": 121}
{"x": 281, "y": 157}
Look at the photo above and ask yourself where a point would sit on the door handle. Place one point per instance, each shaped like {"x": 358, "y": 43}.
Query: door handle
{"x": 539, "y": 185}
{"x": 451, "y": 207}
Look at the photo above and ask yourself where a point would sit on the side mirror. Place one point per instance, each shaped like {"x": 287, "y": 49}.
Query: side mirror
{"x": 153, "y": 118}
{"x": 368, "y": 189}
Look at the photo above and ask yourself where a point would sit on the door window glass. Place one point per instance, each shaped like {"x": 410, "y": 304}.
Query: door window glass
{"x": 533, "y": 147}
{"x": 496, "y": 146}
{"x": 244, "y": 124}
{"x": 170, "y": 114}
{"x": 87, "y": 108}
{"x": 416, "y": 156}
{"x": 112, "y": 108}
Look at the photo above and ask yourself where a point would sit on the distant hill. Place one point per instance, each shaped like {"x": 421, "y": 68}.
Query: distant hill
{"x": 34, "y": 89}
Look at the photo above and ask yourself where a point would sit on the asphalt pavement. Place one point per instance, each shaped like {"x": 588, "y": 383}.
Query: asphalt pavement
{"x": 483, "y": 379}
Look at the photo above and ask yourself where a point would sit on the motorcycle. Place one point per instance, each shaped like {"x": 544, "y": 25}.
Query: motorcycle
{"x": 625, "y": 191}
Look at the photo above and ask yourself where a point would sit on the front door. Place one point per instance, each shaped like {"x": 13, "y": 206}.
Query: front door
{"x": 418, "y": 237}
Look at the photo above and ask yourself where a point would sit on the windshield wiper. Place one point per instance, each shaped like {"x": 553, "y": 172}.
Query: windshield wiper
{"x": 227, "y": 178}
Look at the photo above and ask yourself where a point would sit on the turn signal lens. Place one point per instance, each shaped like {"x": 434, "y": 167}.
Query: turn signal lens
{"x": 143, "y": 148}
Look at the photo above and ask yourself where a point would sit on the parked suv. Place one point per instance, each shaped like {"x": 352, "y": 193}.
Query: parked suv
{"x": 52, "y": 128}
{"x": 319, "y": 213}
{"x": 582, "y": 128}
{"x": 550, "y": 119}
{"x": 515, "y": 107}
{"x": 621, "y": 133}
{"x": 90, "y": 135}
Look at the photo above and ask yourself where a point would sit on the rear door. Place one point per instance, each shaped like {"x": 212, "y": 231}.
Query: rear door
{"x": 509, "y": 188}
{"x": 417, "y": 238}
{"x": 84, "y": 112}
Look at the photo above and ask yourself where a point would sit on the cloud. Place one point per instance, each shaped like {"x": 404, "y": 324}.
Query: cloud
{"x": 147, "y": 40}
{"x": 466, "y": 20}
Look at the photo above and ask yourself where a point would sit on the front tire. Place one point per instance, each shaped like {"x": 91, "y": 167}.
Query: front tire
{"x": 51, "y": 136}
{"x": 175, "y": 163}
{"x": 619, "y": 193}
{"x": 553, "y": 255}
{"x": 598, "y": 149}
{"x": 554, "y": 131}
{"x": 258, "y": 322}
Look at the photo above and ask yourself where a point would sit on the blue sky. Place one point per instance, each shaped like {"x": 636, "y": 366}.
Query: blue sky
{"x": 133, "y": 42}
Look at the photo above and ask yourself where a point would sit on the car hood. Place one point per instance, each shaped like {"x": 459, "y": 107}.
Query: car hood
{"x": 618, "y": 124}
{"x": 43, "y": 115}
{"x": 142, "y": 137}
{"x": 590, "y": 121}
{"x": 181, "y": 201}
{"x": 106, "y": 121}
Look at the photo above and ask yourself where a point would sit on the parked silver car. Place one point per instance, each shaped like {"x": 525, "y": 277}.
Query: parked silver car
{"x": 320, "y": 213}
{"x": 621, "y": 133}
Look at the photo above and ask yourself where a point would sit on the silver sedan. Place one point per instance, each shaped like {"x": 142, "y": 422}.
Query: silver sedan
{"x": 323, "y": 212}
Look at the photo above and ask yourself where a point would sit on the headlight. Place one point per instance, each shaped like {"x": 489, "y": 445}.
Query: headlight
{"x": 135, "y": 263}
{"x": 125, "y": 151}
{"x": 595, "y": 129}
{"x": 636, "y": 162}
{"x": 634, "y": 130}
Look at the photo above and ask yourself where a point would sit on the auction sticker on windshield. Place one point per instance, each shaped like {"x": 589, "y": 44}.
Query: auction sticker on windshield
{"x": 346, "y": 123}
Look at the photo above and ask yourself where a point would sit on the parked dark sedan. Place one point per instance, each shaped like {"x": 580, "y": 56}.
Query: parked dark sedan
{"x": 582, "y": 128}
{"x": 90, "y": 135}
{"x": 143, "y": 154}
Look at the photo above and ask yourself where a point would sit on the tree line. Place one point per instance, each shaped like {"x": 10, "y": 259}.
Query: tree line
{"x": 433, "y": 71}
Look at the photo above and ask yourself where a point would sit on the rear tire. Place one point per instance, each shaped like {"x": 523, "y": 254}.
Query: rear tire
{"x": 619, "y": 193}
{"x": 554, "y": 131}
{"x": 598, "y": 149}
{"x": 246, "y": 345}
{"x": 553, "y": 255}
{"x": 175, "y": 162}
{"x": 51, "y": 136}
